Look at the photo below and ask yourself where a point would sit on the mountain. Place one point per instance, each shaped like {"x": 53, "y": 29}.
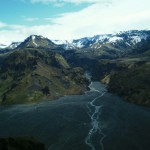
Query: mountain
{"x": 110, "y": 46}
{"x": 30, "y": 75}
{"x": 35, "y": 41}
{"x": 45, "y": 69}
{"x": 125, "y": 39}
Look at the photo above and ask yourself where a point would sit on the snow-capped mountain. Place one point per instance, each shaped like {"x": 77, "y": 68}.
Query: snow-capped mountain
{"x": 123, "y": 39}
{"x": 89, "y": 41}
{"x": 104, "y": 43}
{"x": 64, "y": 43}
{"x": 77, "y": 43}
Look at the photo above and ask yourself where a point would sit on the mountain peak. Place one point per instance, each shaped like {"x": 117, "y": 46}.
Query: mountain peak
{"x": 37, "y": 41}
{"x": 36, "y": 36}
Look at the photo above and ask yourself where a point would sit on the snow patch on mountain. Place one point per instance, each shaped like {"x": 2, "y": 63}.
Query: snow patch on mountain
{"x": 14, "y": 45}
{"x": 78, "y": 44}
{"x": 64, "y": 43}
{"x": 137, "y": 39}
{"x": 33, "y": 40}
{"x": 59, "y": 42}
{"x": 115, "y": 39}
{"x": 100, "y": 38}
{"x": 128, "y": 38}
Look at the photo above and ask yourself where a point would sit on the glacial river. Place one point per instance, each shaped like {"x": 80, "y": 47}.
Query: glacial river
{"x": 96, "y": 120}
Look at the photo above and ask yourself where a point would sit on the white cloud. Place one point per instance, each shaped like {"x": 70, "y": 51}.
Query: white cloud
{"x": 95, "y": 19}
{"x": 100, "y": 19}
{"x": 2, "y": 24}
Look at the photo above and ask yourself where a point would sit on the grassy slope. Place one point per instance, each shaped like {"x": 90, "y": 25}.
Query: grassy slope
{"x": 31, "y": 75}
{"x": 133, "y": 84}
{"x": 129, "y": 78}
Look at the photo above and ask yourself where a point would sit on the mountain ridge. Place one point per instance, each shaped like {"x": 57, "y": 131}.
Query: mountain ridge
{"x": 131, "y": 37}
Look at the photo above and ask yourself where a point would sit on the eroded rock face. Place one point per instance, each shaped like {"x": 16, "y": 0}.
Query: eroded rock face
{"x": 20, "y": 144}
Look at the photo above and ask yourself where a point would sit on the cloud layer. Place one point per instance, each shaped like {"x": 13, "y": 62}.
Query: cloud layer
{"x": 97, "y": 18}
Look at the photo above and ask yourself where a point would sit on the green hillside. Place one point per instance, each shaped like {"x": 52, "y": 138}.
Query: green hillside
{"x": 127, "y": 77}
{"x": 133, "y": 84}
{"x": 31, "y": 75}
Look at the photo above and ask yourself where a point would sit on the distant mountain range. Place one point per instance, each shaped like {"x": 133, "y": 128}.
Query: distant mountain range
{"x": 125, "y": 39}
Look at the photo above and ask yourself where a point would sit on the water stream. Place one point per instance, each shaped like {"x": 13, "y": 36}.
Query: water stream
{"x": 94, "y": 113}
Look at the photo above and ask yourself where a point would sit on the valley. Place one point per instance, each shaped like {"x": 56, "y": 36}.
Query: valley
{"x": 75, "y": 75}
{"x": 85, "y": 94}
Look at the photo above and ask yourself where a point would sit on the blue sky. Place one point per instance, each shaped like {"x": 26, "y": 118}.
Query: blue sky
{"x": 24, "y": 12}
{"x": 69, "y": 19}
